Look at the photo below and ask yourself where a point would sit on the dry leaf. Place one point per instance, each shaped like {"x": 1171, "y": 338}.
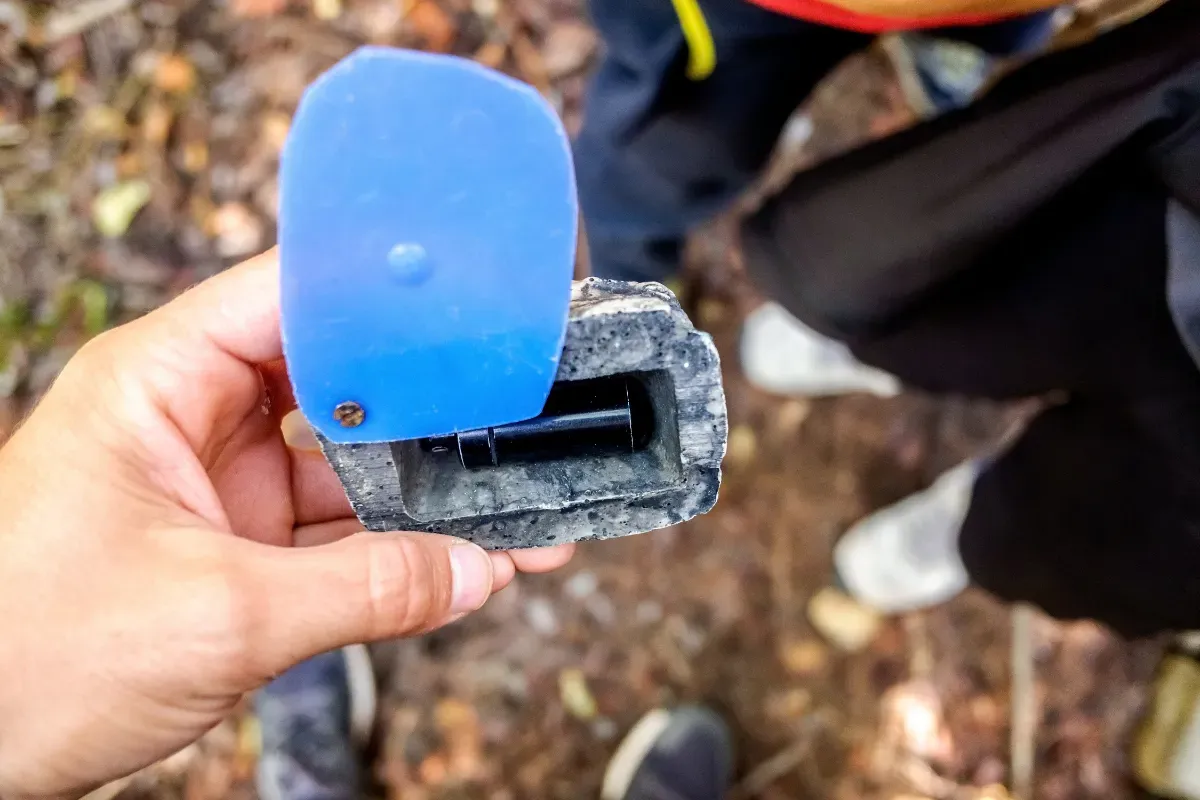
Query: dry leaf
{"x": 788, "y": 705}
{"x": 156, "y": 124}
{"x": 249, "y": 747}
{"x": 114, "y": 208}
{"x": 432, "y": 24}
{"x": 275, "y": 126}
{"x": 105, "y": 124}
{"x": 575, "y": 695}
{"x": 195, "y": 156}
{"x": 327, "y": 9}
{"x": 433, "y": 770}
{"x": 174, "y": 74}
{"x": 237, "y": 230}
{"x": 492, "y": 54}
{"x": 743, "y": 446}
{"x": 842, "y": 620}
{"x": 129, "y": 165}
{"x": 568, "y": 48}
{"x": 791, "y": 415}
{"x": 256, "y": 8}
{"x": 804, "y": 658}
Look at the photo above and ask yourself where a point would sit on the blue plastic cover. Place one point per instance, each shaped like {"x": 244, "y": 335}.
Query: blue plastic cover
{"x": 427, "y": 234}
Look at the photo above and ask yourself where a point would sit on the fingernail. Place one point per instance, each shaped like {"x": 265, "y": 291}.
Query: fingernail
{"x": 297, "y": 433}
{"x": 471, "y": 570}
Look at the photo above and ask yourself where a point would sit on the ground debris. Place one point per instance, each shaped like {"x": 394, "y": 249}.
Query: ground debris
{"x": 139, "y": 145}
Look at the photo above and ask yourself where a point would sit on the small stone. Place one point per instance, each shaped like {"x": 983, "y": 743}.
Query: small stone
{"x": 604, "y": 729}
{"x": 648, "y": 612}
{"x": 541, "y": 616}
{"x": 602, "y": 609}
{"x": 581, "y": 585}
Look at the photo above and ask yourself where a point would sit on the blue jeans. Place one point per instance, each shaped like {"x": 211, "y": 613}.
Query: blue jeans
{"x": 660, "y": 153}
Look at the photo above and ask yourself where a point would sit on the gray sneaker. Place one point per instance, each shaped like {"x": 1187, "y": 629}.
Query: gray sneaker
{"x": 781, "y": 354}
{"x": 315, "y": 720}
{"x": 683, "y": 754}
{"x": 905, "y": 556}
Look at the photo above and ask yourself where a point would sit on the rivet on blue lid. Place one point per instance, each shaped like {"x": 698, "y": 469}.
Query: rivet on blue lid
{"x": 409, "y": 263}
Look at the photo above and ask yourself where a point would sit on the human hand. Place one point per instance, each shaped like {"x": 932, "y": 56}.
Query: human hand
{"x": 163, "y": 551}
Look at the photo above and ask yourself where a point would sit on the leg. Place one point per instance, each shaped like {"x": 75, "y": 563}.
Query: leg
{"x": 660, "y": 152}
{"x": 1091, "y": 512}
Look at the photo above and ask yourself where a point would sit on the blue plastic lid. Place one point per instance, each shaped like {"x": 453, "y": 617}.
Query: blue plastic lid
{"x": 427, "y": 234}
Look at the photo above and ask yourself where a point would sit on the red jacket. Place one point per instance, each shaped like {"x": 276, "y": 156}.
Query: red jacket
{"x": 835, "y": 16}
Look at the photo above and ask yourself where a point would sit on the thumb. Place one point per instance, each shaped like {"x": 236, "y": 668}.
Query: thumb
{"x": 363, "y": 588}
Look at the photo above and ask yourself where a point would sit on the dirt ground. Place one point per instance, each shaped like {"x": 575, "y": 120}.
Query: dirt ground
{"x": 138, "y": 150}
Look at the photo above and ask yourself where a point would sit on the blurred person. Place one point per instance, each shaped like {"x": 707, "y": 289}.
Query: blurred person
{"x": 686, "y": 107}
{"x": 164, "y": 551}
{"x": 1023, "y": 246}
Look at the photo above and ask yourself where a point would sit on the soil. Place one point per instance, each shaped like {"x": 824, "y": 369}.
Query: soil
{"x": 185, "y": 104}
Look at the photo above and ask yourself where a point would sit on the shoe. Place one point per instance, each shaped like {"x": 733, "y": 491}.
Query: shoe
{"x": 315, "y": 719}
{"x": 905, "y": 557}
{"x": 937, "y": 75}
{"x": 781, "y": 354}
{"x": 683, "y": 754}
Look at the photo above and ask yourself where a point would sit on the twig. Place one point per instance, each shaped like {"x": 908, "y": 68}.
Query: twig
{"x": 761, "y": 777}
{"x": 1024, "y": 704}
{"x": 64, "y": 22}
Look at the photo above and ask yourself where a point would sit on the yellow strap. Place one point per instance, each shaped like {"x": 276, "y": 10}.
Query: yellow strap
{"x": 702, "y": 53}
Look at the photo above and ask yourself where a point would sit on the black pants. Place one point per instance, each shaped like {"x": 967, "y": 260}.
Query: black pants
{"x": 660, "y": 153}
{"x": 1020, "y": 248}
{"x": 1017, "y": 248}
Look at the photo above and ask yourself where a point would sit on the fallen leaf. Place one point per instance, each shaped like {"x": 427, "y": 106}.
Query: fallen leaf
{"x": 156, "y": 123}
{"x": 805, "y": 657}
{"x": 432, "y": 24}
{"x": 710, "y": 312}
{"x": 129, "y": 164}
{"x": 575, "y": 695}
{"x": 842, "y": 620}
{"x": 327, "y": 9}
{"x": 67, "y": 83}
{"x": 174, "y": 74}
{"x": 105, "y": 124}
{"x": 248, "y": 748}
{"x": 788, "y": 705}
{"x": 256, "y": 9}
{"x": 743, "y": 446}
{"x": 194, "y": 157}
{"x": 791, "y": 415}
{"x": 275, "y": 126}
{"x": 114, "y": 208}
{"x": 433, "y": 770}
{"x": 492, "y": 54}
{"x": 238, "y": 231}
{"x": 459, "y": 727}
{"x": 568, "y": 48}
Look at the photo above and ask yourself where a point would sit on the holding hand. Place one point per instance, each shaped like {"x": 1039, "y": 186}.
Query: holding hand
{"x": 163, "y": 551}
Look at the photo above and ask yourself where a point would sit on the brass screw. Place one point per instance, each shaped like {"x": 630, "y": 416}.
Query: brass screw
{"x": 350, "y": 414}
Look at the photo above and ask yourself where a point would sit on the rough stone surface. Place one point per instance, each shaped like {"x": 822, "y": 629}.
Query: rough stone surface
{"x": 614, "y": 328}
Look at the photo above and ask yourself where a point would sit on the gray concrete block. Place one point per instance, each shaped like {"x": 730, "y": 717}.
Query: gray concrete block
{"x": 614, "y": 328}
